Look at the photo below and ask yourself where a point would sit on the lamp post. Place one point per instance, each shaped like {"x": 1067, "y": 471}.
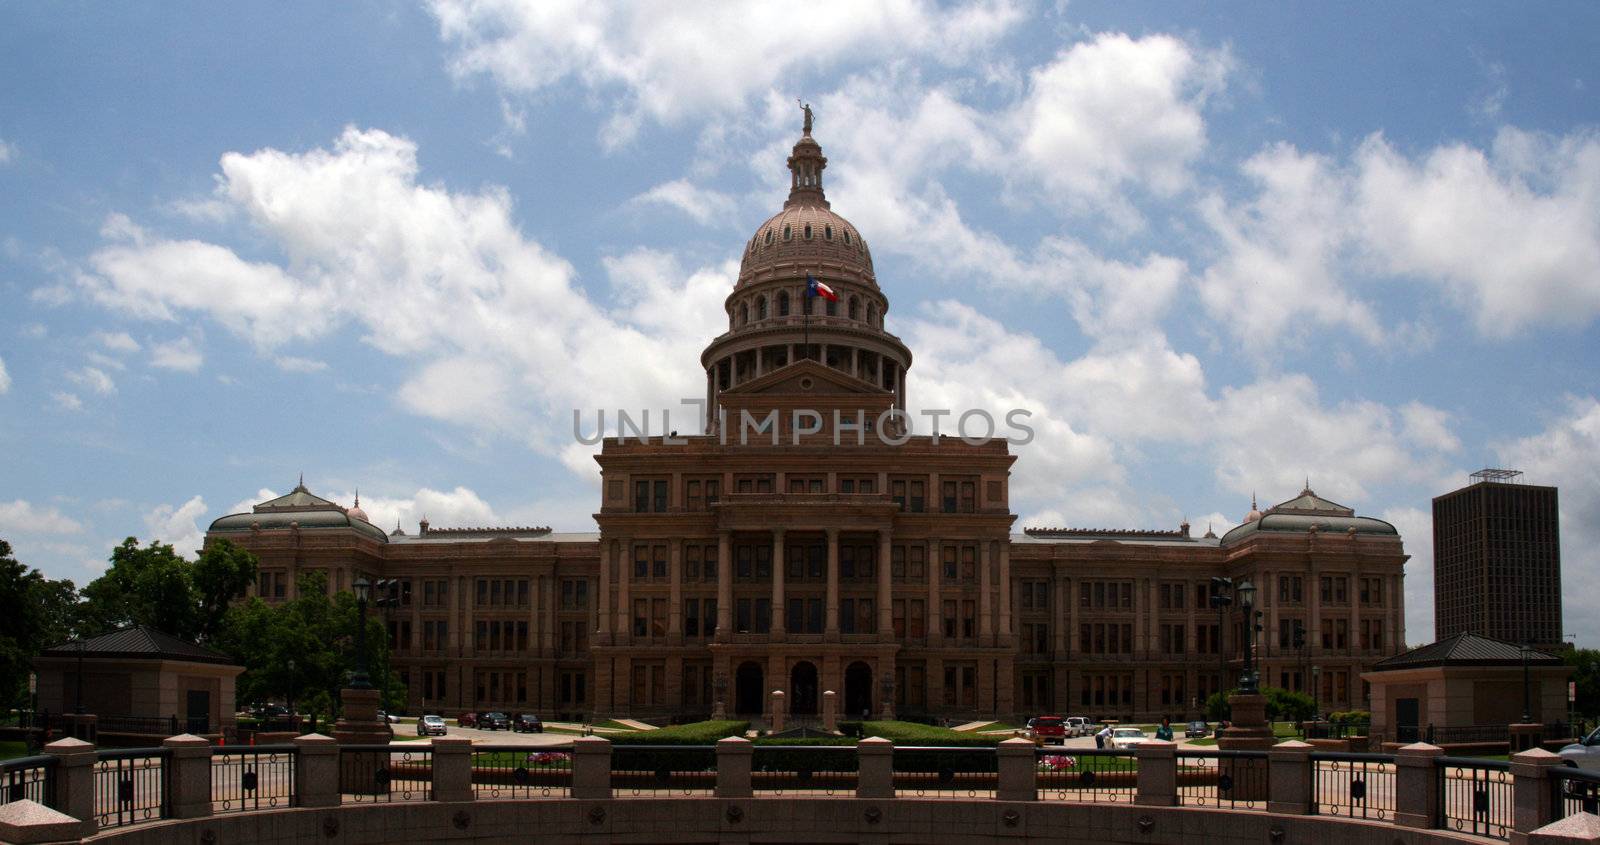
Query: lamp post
{"x": 1316, "y": 691}
{"x": 293, "y": 720}
{"x": 1527, "y": 702}
{"x": 359, "y": 678}
{"x": 78, "y": 708}
{"x": 1246, "y": 592}
{"x": 1220, "y": 586}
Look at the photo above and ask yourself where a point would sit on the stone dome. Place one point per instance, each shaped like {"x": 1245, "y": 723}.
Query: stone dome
{"x": 356, "y": 512}
{"x": 806, "y": 236}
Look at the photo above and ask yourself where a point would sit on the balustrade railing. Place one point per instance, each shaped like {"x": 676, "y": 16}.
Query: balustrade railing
{"x": 1359, "y": 786}
{"x": 1475, "y": 796}
{"x": 130, "y": 786}
{"x": 663, "y": 771}
{"x": 1576, "y": 791}
{"x": 384, "y": 773}
{"x": 1232, "y": 779}
{"x": 1093, "y": 775}
{"x": 931, "y": 772}
{"x": 517, "y": 771}
{"x": 245, "y": 777}
{"x": 33, "y": 778}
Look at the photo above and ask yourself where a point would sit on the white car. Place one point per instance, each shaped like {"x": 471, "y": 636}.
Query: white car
{"x": 1078, "y": 726}
{"x": 1585, "y": 753}
{"x": 1128, "y": 738}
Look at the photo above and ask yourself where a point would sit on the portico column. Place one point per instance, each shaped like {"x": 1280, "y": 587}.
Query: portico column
{"x": 1006, "y": 629}
{"x": 724, "y": 585}
{"x": 608, "y": 557}
{"x": 777, "y": 584}
{"x": 675, "y": 592}
{"x": 935, "y": 609}
{"x": 885, "y": 586}
{"x": 985, "y": 599}
{"x": 831, "y": 629}
{"x": 624, "y": 632}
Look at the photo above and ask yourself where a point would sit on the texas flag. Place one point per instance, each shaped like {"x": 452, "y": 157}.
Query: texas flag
{"x": 816, "y": 288}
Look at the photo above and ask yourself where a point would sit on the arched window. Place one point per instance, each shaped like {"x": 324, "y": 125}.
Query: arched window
{"x": 787, "y": 235}
{"x": 769, "y": 237}
{"x": 847, "y": 237}
{"x": 833, "y": 308}
{"x": 744, "y": 313}
{"x": 872, "y": 314}
{"x": 808, "y": 231}
{"x": 827, "y": 233}
{"x": 761, "y": 308}
{"x": 855, "y": 308}
{"x": 783, "y": 303}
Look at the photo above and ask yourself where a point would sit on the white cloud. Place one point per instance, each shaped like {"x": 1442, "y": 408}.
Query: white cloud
{"x": 1567, "y": 455}
{"x": 181, "y": 355}
{"x": 95, "y": 379}
{"x": 705, "y": 206}
{"x": 671, "y": 63}
{"x": 121, "y": 342}
{"x": 7, "y": 152}
{"x": 19, "y": 516}
{"x": 247, "y": 505}
{"x": 441, "y": 279}
{"x": 1428, "y": 427}
{"x": 178, "y": 525}
{"x": 34, "y": 331}
{"x": 1510, "y": 235}
{"x": 1116, "y": 111}
{"x": 5, "y": 377}
{"x": 297, "y": 364}
{"x": 456, "y": 508}
{"x": 67, "y": 401}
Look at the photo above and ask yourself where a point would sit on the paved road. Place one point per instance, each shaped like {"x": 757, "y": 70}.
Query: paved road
{"x": 481, "y": 737}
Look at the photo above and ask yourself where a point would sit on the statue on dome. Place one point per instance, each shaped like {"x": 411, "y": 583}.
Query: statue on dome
{"x": 806, "y": 107}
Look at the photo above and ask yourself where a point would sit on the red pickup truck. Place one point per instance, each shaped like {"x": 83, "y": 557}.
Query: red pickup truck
{"x": 1047, "y": 729}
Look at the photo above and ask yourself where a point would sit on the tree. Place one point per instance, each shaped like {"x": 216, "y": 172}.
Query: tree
{"x": 1287, "y": 706}
{"x": 154, "y": 586}
{"x": 37, "y": 612}
{"x": 1585, "y": 663}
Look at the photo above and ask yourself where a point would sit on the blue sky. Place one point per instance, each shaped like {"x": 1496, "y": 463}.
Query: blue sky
{"x": 1216, "y": 248}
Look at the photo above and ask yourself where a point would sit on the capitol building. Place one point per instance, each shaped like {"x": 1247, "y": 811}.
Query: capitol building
{"x": 886, "y": 568}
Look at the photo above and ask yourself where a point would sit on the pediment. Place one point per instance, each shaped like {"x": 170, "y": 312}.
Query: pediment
{"x": 807, "y": 377}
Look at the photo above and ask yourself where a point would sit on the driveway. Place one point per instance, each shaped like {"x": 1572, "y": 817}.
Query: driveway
{"x": 480, "y": 737}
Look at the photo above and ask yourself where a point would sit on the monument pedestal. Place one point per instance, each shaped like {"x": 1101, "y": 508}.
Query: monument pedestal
{"x": 1245, "y": 779}
{"x": 365, "y": 772}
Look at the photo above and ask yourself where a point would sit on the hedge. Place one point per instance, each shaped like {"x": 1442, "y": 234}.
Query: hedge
{"x": 694, "y": 733}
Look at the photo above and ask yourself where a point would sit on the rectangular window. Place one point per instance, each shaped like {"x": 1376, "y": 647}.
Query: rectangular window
{"x": 847, "y": 616}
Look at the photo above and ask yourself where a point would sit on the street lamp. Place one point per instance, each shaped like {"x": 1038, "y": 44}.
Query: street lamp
{"x": 1527, "y": 703}
{"x": 1246, "y": 592}
{"x": 358, "y": 678}
{"x": 1220, "y": 586}
{"x": 292, "y": 716}
{"x": 1316, "y": 691}
{"x": 79, "y": 707}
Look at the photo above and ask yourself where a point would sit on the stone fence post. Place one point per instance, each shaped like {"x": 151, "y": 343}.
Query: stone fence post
{"x": 188, "y": 775}
{"x": 1416, "y": 785}
{"x": 734, "y": 755}
{"x": 1019, "y": 770}
{"x": 1158, "y": 773}
{"x": 591, "y": 767}
{"x": 874, "y": 768}
{"x": 1533, "y": 799}
{"x": 1577, "y": 829}
{"x": 452, "y": 768}
{"x": 75, "y": 780}
{"x": 1289, "y": 778}
{"x": 26, "y": 822}
{"x": 316, "y": 771}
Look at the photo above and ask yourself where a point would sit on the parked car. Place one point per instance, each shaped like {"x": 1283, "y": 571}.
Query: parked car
{"x": 494, "y": 722}
{"x": 1078, "y": 726}
{"x": 431, "y": 726}
{"x": 467, "y": 720}
{"x": 388, "y": 717}
{"x": 528, "y": 723}
{"x": 1585, "y": 753}
{"x": 1196, "y": 728}
{"x": 272, "y": 711}
{"x": 1048, "y": 729}
{"x": 1127, "y": 738}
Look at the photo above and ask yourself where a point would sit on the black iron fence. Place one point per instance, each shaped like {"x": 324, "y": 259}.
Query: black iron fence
{"x": 803, "y": 770}
{"x": 381, "y": 773}
{"x": 33, "y": 778}
{"x": 516, "y": 771}
{"x": 130, "y": 785}
{"x": 1475, "y": 796}
{"x": 162, "y": 726}
{"x": 927, "y": 772}
{"x": 1232, "y": 779}
{"x": 1094, "y": 775}
{"x": 663, "y": 771}
{"x": 1576, "y": 791}
{"x": 1360, "y": 786}
{"x": 257, "y": 777}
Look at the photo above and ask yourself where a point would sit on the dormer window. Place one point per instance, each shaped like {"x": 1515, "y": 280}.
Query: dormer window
{"x": 808, "y": 231}
{"x": 787, "y": 235}
{"x": 847, "y": 237}
{"x": 769, "y": 237}
{"x": 827, "y": 233}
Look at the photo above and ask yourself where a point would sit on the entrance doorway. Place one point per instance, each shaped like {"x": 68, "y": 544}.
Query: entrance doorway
{"x": 857, "y": 689}
{"x": 197, "y": 711}
{"x": 747, "y": 689}
{"x": 803, "y": 689}
{"x": 1406, "y": 716}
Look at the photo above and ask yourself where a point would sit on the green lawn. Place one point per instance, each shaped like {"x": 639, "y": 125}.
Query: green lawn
{"x": 9, "y": 750}
{"x": 613, "y": 724}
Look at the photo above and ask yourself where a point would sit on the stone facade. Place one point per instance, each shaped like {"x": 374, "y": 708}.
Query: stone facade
{"x": 839, "y": 553}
